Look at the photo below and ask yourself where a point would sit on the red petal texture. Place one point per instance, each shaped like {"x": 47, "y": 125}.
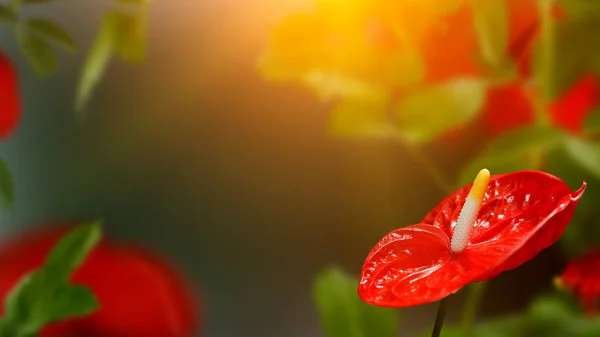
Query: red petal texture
{"x": 575, "y": 104}
{"x": 521, "y": 214}
{"x": 140, "y": 295}
{"x": 582, "y": 278}
{"x": 10, "y": 105}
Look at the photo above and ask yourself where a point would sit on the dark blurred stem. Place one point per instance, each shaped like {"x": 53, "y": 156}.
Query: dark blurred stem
{"x": 439, "y": 319}
{"x": 430, "y": 167}
{"x": 472, "y": 303}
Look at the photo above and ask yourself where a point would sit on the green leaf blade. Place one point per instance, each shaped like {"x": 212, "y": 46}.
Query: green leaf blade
{"x": 72, "y": 250}
{"x": 585, "y": 153}
{"x": 52, "y": 32}
{"x": 7, "y": 185}
{"x": 44, "y": 295}
{"x": 513, "y": 150}
{"x": 434, "y": 110}
{"x": 97, "y": 59}
{"x": 492, "y": 27}
{"x": 40, "y": 56}
{"x": 7, "y": 15}
{"x": 342, "y": 312}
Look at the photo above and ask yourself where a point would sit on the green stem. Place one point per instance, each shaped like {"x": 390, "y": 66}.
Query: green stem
{"x": 430, "y": 167}
{"x": 472, "y": 303}
{"x": 547, "y": 60}
{"x": 439, "y": 318}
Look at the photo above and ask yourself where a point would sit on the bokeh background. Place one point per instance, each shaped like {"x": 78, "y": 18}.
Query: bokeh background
{"x": 234, "y": 178}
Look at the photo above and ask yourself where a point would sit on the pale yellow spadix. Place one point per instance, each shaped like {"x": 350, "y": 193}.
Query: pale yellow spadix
{"x": 468, "y": 214}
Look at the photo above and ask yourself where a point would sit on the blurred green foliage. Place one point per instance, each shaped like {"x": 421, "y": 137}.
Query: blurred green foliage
{"x": 123, "y": 33}
{"x": 342, "y": 312}
{"x": 45, "y": 295}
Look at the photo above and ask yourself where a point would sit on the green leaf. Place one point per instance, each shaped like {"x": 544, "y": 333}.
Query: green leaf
{"x": 573, "y": 52}
{"x": 135, "y": 2}
{"x": 342, "y": 312}
{"x": 132, "y": 35}
{"x": 492, "y": 27}
{"x": 330, "y": 85}
{"x": 513, "y": 151}
{"x": 434, "y": 110}
{"x": 40, "y": 56}
{"x": 7, "y": 15}
{"x": 591, "y": 123}
{"x": 44, "y": 296}
{"x": 97, "y": 59}
{"x": 6, "y": 185}
{"x": 52, "y": 32}
{"x": 509, "y": 326}
{"x": 362, "y": 119}
{"x": 72, "y": 250}
{"x": 585, "y": 153}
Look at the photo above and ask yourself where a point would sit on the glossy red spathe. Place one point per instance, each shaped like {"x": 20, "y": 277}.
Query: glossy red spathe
{"x": 140, "y": 295}
{"x": 10, "y": 105}
{"x": 521, "y": 214}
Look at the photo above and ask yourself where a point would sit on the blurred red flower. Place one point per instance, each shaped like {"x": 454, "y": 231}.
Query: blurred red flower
{"x": 511, "y": 106}
{"x": 139, "y": 294}
{"x": 519, "y": 214}
{"x": 450, "y": 47}
{"x": 582, "y": 279}
{"x": 10, "y": 105}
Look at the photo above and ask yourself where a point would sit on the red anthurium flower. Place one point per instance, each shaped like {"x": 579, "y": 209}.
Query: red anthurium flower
{"x": 570, "y": 110}
{"x": 510, "y": 106}
{"x": 495, "y": 224}
{"x": 139, "y": 295}
{"x": 450, "y": 47}
{"x": 9, "y": 97}
{"x": 582, "y": 279}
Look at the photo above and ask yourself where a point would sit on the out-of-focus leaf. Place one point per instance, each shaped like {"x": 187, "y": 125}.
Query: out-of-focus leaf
{"x": 342, "y": 312}
{"x": 584, "y": 153}
{"x": 52, "y": 32}
{"x": 428, "y": 113}
{"x": 40, "y": 56}
{"x": 510, "y": 326}
{"x": 30, "y": 2}
{"x": 491, "y": 24}
{"x": 329, "y": 86}
{"x": 362, "y": 118}
{"x": 135, "y": 2}
{"x": 514, "y": 150}
{"x": 6, "y": 185}
{"x": 583, "y": 230}
{"x": 592, "y": 122}
{"x": 132, "y": 35}
{"x": 552, "y": 316}
{"x": 580, "y": 9}
{"x": 7, "y": 14}
{"x": 44, "y": 296}
{"x": 548, "y": 316}
{"x": 98, "y": 58}
{"x": 575, "y": 52}
{"x": 72, "y": 250}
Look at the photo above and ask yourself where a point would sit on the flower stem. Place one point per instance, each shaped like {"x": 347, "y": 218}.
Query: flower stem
{"x": 547, "y": 44}
{"x": 439, "y": 319}
{"x": 474, "y": 297}
{"x": 430, "y": 167}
